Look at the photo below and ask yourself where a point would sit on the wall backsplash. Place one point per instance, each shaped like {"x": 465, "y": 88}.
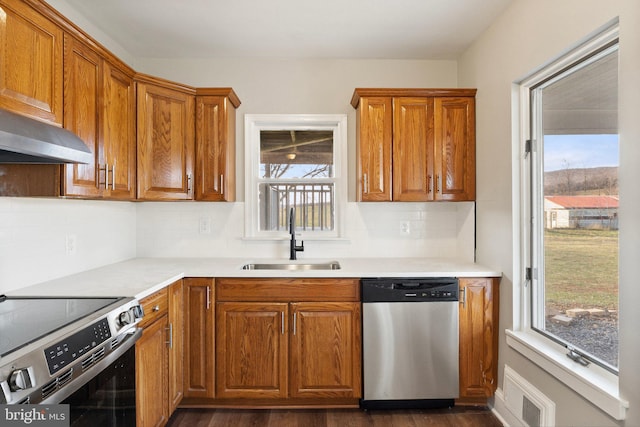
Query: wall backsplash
{"x": 372, "y": 230}
{"x": 36, "y": 234}
{"x": 43, "y": 239}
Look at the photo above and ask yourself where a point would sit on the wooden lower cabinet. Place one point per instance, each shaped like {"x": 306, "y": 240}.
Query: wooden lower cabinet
{"x": 159, "y": 357}
{"x": 478, "y": 339}
{"x": 199, "y": 338}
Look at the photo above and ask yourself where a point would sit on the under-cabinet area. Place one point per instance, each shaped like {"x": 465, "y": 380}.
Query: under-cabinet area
{"x": 282, "y": 342}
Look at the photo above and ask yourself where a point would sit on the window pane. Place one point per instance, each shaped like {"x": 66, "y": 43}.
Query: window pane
{"x": 579, "y": 223}
{"x": 314, "y": 203}
{"x": 293, "y": 154}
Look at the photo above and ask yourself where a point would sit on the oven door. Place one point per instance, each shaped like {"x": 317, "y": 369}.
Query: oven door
{"x": 109, "y": 398}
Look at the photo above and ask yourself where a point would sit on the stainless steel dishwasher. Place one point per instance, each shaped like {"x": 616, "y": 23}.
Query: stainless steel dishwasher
{"x": 409, "y": 342}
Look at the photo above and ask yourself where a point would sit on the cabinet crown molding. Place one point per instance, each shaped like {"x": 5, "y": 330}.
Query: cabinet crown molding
{"x": 406, "y": 92}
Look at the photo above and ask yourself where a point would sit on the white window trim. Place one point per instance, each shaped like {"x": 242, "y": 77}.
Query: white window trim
{"x": 592, "y": 382}
{"x": 253, "y": 124}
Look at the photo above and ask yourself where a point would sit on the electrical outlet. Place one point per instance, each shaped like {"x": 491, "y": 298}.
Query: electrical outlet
{"x": 405, "y": 228}
{"x": 204, "y": 226}
{"x": 71, "y": 244}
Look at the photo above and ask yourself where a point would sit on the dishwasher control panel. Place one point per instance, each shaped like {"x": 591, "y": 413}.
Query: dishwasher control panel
{"x": 409, "y": 289}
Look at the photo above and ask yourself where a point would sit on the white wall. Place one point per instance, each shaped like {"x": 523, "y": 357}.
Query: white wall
{"x": 529, "y": 34}
{"x": 33, "y": 236}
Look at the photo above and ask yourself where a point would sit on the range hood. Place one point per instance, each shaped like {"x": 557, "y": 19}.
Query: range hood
{"x": 25, "y": 140}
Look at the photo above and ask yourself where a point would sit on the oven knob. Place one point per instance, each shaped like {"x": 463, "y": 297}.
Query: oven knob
{"x": 20, "y": 379}
{"x": 125, "y": 318}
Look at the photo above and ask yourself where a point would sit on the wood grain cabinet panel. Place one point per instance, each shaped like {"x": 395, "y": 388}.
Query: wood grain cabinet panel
{"x": 215, "y": 144}
{"x": 166, "y": 140}
{"x": 374, "y": 122}
{"x": 199, "y": 344}
{"x": 415, "y": 144}
{"x": 152, "y": 362}
{"x": 159, "y": 356}
{"x": 99, "y": 107}
{"x": 252, "y": 345}
{"x": 478, "y": 338}
{"x": 455, "y": 150}
{"x": 31, "y": 62}
{"x": 325, "y": 350}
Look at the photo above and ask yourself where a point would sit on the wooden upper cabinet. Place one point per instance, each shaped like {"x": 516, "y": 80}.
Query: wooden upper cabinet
{"x": 415, "y": 144}
{"x": 215, "y": 144}
{"x": 374, "y": 122}
{"x": 412, "y": 149}
{"x": 166, "y": 137}
{"x": 455, "y": 155}
{"x": 30, "y": 62}
{"x": 82, "y": 99}
{"x": 99, "y": 107}
{"x": 119, "y": 132}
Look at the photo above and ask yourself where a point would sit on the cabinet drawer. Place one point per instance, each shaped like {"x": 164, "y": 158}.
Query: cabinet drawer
{"x": 154, "y": 307}
{"x": 285, "y": 290}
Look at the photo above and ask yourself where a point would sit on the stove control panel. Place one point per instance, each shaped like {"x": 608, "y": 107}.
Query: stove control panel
{"x": 63, "y": 353}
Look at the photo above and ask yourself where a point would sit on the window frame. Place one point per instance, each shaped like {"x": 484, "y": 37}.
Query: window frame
{"x": 595, "y": 383}
{"x": 254, "y": 123}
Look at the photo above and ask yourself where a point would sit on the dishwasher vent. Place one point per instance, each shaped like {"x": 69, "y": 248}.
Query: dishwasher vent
{"x": 528, "y": 404}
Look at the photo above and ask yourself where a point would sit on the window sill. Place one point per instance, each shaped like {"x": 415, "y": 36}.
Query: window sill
{"x": 592, "y": 382}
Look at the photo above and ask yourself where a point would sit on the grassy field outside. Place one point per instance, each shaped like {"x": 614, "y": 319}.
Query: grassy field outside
{"x": 581, "y": 269}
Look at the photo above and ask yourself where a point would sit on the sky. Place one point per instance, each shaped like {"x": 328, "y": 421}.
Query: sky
{"x": 580, "y": 151}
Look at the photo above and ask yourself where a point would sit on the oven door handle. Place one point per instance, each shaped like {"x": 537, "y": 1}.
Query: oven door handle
{"x": 123, "y": 345}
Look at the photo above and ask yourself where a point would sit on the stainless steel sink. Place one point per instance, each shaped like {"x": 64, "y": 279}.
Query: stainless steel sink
{"x": 291, "y": 266}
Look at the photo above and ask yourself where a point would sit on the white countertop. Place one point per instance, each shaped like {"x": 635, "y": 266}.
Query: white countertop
{"x": 140, "y": 277}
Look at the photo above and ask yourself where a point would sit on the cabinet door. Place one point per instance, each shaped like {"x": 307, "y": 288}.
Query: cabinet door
{"x": 215, "y": 149}
{"x": 82, "y": 97}
{"x": 412, "y": 149}
{"x": 166, "y": 141}
{"x": 375, "y": 115}
{"x": 31, "y": 63}
{"x": 152, "y": 408}
{"x": 253, "y": 362}
{"x": 176, "y": 347}
{"x": 199, "y": 344}
{"x": 119, "y": 133}
{"x": 455, "y": 154}
{"x": 325, "y": 350}
{"x": 478, "y": 337}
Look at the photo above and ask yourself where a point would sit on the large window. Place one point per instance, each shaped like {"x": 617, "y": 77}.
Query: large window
{"x": 573, "y": 207}
{"x": 295, "y": 161}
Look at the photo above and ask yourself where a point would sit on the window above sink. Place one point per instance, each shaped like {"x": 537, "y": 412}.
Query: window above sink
{"x": 300, "y": 161}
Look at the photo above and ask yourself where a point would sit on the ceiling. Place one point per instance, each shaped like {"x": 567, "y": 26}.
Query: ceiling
{"x": 353, "y": 29}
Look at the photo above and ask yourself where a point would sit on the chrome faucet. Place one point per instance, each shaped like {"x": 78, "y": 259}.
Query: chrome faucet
{"x": 293, "y": 248}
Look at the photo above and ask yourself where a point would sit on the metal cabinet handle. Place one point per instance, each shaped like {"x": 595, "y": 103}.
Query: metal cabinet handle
{"x": 282, "y": 322}
{"x": 222, "y": 184}
{"x": 366, "y": 184}
{"x": 104, "y": 168}
{"x": 188, "y": 183}
{"x": 170, "y": 329}
{"x": 429, "y": 184}
{"x": 113, "y": 176}
{"x": 208, "y": 298}
{"x": 155, "y": 308}
{"x": 463, "y": 301}
{"x": 438, "y": 189}
{"x": 294, "y": 322}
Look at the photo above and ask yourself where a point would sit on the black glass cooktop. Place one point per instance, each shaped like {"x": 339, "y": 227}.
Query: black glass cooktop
{"x": 24, "y": 320}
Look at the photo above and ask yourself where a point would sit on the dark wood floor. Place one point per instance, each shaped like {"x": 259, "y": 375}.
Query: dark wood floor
{"x": 454, "y": 417}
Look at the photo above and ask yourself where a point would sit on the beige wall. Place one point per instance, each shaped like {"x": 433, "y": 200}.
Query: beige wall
{"x": 529, "y": 34}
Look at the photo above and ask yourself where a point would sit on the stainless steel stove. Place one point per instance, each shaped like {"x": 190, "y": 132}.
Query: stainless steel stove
{"x": 50, "y": 347}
